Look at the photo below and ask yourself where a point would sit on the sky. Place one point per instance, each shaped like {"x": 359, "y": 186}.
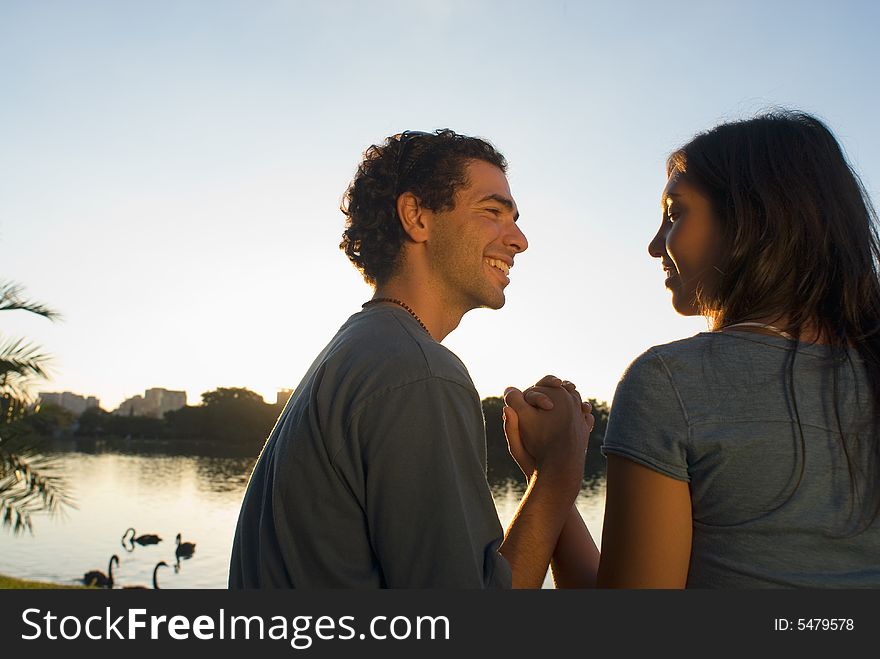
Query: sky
{"x": 171, "y": 172}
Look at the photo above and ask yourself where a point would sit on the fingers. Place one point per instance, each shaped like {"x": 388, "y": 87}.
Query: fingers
{"x": 571, "y": 388}
{"x": 513, "y": 398}
{"x": 540, "y": 400}
{"x": 537, "y": 399}
{"x": 514, "y": 442}
{"x": 549, "y": 381}
{"x": 511, "y": 432}
{"x": 511, "y": 428}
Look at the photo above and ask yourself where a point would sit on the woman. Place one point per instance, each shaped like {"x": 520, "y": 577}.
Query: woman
{"x": 747, "y": 456}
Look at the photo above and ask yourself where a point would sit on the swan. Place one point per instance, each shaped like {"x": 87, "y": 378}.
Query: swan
{"x": 147, "y": 539}
{"x": 155, "y": 582}
{"x": 185, "y": 549}
{"x": 98, "y": 578}
{"x": 155, "y": 570}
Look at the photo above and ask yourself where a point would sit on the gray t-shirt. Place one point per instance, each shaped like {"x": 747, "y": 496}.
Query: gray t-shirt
{"x": 375, "y": 473}
{"x": 715, "y": 410}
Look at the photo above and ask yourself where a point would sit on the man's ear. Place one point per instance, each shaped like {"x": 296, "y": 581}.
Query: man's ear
{"x": 414, "y": 217}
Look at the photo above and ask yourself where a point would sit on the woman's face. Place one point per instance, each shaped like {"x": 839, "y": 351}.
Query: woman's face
{"x": 686, "y": 243}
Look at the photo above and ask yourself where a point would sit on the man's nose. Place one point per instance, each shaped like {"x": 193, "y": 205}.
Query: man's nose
{"x": 517, "y": 239}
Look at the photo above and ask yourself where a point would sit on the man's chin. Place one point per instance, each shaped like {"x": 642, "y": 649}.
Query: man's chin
{"x": 495, "y": 302}
{"x": 487, "y": 299}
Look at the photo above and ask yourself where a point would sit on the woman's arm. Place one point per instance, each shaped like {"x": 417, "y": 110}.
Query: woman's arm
{"x": 646, "y": 536}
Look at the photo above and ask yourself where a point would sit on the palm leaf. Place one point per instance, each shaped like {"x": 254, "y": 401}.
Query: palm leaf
{"x": 26, "y": 359}
{"x": 21, "y": 364}
{"x": 29, "y": 483}
{"x": 11, "y": 299}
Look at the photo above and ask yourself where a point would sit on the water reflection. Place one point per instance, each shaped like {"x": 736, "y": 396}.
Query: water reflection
{"x": 222, "y": 475}
{"x": 169, "y": 488}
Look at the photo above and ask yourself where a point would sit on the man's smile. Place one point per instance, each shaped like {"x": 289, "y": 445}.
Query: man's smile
{"x": 499, "y": 266}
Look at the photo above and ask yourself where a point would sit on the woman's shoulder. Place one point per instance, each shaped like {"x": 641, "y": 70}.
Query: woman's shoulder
{"x": 690, "y": 365}
{"x": 720, "y": 347}
{"x": 681, "y": 352}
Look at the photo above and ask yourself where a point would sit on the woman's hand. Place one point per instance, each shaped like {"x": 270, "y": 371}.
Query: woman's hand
{"x": 539, "y": 400}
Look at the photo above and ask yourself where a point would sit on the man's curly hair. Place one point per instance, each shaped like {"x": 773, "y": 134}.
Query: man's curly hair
{"x": 433, "y": 169}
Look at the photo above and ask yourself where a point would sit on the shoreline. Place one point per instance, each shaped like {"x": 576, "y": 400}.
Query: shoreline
{"x": 13, "y": 583}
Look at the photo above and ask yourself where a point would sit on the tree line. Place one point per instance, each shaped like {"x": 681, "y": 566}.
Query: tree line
{"x": 240, "y": 417}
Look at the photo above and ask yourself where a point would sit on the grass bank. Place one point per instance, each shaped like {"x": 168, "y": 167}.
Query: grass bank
{"x": 11, "y": 583}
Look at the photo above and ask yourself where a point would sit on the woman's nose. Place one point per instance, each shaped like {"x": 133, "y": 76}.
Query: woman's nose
{"x": 657, "y": 246}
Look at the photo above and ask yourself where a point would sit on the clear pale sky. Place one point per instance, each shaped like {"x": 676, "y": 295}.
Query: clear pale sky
{"x": 170, "y": 172}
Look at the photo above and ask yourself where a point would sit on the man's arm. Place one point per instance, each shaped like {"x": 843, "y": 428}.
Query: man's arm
{"x": 575, "y": 560}
{"x": 558, "y": 441}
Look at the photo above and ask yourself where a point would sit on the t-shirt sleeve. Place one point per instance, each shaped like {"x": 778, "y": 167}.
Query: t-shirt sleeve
{"x": 430, "y": 514}
{"x": 647, "y": 421}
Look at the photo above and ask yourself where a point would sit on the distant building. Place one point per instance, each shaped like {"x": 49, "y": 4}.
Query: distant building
{"x": 69, "y": 401}
{"x": 283, "y": 396}
{"x": 155, "y": 402}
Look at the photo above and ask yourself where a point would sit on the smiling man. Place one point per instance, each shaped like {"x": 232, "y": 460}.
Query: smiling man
{"x": 375, "y": 473}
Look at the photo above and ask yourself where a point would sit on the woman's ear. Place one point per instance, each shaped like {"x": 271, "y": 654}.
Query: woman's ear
{"x": 414, "y": 217}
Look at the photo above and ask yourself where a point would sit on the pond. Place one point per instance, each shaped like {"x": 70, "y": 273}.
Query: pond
{"x": 166, "y": 488}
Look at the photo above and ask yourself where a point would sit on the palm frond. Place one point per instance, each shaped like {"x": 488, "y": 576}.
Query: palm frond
{"x": 21, "y": 364}
{"x": 11, "y": 299}
{"x": 26, "y": 359}
{"x": 30, "y": 482}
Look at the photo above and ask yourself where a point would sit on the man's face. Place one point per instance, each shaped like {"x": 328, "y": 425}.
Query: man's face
{"x": 472, "y": 246}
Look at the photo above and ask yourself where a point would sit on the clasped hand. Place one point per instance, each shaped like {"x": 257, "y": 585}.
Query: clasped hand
{"x": 547, "y": 425}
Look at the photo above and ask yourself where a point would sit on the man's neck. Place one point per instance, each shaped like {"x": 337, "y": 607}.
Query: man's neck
{"x": 439, "y": 317}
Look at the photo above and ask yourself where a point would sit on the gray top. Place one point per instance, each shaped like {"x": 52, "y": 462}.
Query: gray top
{"x": 375, "y": 473}
{"x": 715, "y": 410}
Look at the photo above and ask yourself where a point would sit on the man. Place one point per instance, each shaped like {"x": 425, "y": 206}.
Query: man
{"x": 375, "y": 473}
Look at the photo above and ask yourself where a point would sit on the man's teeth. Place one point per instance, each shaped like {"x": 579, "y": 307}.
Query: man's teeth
{"x": 501, "y": 265}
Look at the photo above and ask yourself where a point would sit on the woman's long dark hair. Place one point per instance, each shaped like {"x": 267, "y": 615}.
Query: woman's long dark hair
{"x": 798, "y": 238}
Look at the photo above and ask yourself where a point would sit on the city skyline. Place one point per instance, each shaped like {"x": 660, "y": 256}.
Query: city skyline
{"x": 171, "y": 174}
{"x": 137, "y": 404}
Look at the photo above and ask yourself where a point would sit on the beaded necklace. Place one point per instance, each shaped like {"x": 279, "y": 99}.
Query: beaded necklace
{"x": 402, "y": 304}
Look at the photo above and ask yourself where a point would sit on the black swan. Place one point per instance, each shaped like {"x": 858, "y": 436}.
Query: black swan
{"x": 184, "y": 549}
{"x": 146, "y": 539}
{"x": 155, "y": 570}
{"x": 98, "y": 578}
{"x": 155, "y": 581}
